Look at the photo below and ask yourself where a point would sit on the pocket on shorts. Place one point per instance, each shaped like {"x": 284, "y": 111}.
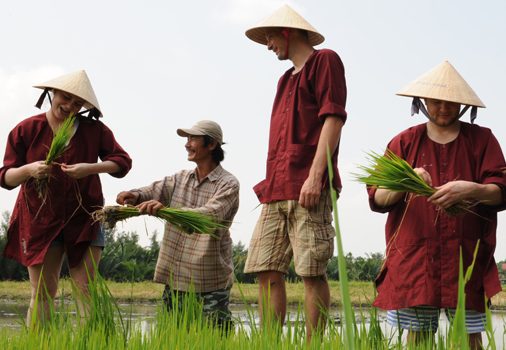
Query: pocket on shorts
{"x": 322, "y": 240}
{"x": 323, "y": 233}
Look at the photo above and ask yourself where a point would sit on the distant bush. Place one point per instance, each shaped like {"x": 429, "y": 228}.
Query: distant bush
{"x": 123, "y": 259}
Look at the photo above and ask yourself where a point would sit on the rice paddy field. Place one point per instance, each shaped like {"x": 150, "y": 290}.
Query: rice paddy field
{"x": 114, "y": 326}
{"x": 105, "y": 325}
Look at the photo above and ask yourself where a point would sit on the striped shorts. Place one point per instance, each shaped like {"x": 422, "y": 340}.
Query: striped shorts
{"x": 426, "y": 318}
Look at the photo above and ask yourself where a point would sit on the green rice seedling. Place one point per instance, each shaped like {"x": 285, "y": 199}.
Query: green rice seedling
{"x": 349, "y": 317}
{"x": 59, "y": 144}
{"x": 98, "y": 308}
{"x": 391, "y": 172}
{"x": 489, "y": 331}
{"x": 457, "y": 334}
{"x": 61, "y": 139}
{"x": 186, "y": 220}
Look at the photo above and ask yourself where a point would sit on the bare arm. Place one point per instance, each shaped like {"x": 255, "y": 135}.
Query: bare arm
{"x": 16, "y": 176}
{"x": 386, "y": 198}
{"x": 80, "y": 170}
{"x": 454, "y": 192}
{"x": 330, "y": 135}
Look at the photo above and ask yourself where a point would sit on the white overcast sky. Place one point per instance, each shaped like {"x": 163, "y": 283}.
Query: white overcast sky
{"x": 159, "y": 65}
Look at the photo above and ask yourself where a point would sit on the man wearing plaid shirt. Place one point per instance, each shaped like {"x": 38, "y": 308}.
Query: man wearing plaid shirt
{"x": 197, "y": 262}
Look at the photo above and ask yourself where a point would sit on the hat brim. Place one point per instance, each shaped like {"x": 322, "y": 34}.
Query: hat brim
{"x": 189, "y": 132}
{"x": 436, "y": 97}
{"x": 87, "y": 104}
{"x": 257, "y": 34}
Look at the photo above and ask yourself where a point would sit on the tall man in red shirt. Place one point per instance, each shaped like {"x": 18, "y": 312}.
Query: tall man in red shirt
{"x": 463, "y": 162}
{"x": 308, "y": 114}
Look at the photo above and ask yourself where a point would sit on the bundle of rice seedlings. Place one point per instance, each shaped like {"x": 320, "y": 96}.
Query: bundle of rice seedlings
{"x": 393, "y": 173}
{"x": 186, "y": 220}
{"x": 59, "y": 144}
{"x": 61, "y": 139}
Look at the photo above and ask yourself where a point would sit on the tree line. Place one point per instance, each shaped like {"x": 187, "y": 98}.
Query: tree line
{"x": 125, "y": 260}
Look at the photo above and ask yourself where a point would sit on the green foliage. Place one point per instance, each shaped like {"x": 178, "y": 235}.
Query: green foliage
{"x": 61, "y": 139}
{"x": 239, "y": 254}
{"x": 186, "y": 220}
{"x": 358, "y": 268}
{"x": 9, "y": 269}
{"x": 349, "y": 315}
{"x": 391, "y": 172}
{"x": 123, "y": 259}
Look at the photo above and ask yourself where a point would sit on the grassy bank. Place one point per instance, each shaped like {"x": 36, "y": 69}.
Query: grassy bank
{"x": 361, "y": 293}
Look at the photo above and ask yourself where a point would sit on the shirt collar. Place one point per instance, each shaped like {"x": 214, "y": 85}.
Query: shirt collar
{"x": 212, "y": 176}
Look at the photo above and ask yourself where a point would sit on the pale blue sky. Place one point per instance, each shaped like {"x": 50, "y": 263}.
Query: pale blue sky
{"x": 159, "y": 65}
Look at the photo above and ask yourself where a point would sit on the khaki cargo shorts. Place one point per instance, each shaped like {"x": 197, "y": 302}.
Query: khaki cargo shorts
{"x": 285, "y": 229}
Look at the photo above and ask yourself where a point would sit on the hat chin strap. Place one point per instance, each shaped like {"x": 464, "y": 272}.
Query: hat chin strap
{"x": 92, "y": 112}
{"x": 417, "y": 106}
{"x": 42, "y": 97}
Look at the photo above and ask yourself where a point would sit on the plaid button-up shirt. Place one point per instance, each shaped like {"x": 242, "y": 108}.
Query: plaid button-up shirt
{"x": 196, "y": 261}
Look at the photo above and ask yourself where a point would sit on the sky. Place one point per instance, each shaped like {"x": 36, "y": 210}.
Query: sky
{"x": 157, "y": 66}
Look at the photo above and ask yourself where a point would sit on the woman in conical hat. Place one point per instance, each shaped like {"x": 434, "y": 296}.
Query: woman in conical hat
{"x": 463, "y": 162}
{"x": 443, "y": 83}
{"x": 45, "y": 227}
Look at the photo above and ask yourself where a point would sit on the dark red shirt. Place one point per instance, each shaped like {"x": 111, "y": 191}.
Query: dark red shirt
{"x": 422, "y": 264}
{"x": 34, "y": 224}
{"x": 302, "y": 102}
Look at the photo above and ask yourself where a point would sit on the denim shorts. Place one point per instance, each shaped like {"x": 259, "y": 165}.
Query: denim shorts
{"x": 426, "y": 318}
{"x": 97, "y": 242}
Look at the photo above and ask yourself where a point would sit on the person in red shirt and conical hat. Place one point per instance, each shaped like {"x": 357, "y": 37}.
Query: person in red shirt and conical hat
{"x": 307, "y": 116}
{"x": 44, "y": 228}
{"x": 464, "y": 162}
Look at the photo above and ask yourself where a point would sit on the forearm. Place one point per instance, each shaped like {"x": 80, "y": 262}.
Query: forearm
{"x": 386, "y": 198}
{"x": 329, "y": 136}
{"x": 107, "y": 166}
{"x": 487, "y": 194}
{"x": 16, "y": 176}
{"x": 160, "y": 190}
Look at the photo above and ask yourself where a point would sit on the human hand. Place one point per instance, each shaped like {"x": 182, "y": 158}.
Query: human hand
{"x": 424, "y": 175}
{"x": 39, "y": 170}
{"x": 76, "y": 171}
{"x": 452, "y": 193}
{"x": 310, "y": 192}
{"x": 127, "y": 197}
{"x": 150, "y": 207}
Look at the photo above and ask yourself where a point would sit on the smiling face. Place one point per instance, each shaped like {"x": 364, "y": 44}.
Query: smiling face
{"x": 442, "y": 113}
{"x": 197, "y": 151}
{"x": 277, "y": 43}
{"x": 64, "y": 104}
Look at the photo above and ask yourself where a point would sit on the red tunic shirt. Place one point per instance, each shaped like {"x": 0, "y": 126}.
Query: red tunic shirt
{"x": 34, "y": 225}
{"x": 302, "y": 102}
{"x": 422, "y": 262}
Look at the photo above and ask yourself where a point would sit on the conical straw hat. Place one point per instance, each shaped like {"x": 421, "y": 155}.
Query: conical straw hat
{"x": 284, "y": 17}
{"x": 76, "y": 83}
{"x": 443, "y": 83}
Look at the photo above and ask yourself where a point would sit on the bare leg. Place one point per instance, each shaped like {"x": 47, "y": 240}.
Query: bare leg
{"x": 48, "y": 274}
{"x": 317, "y": 303}
{"x": 80, "y": 277}
{"x": 272, "y": 297}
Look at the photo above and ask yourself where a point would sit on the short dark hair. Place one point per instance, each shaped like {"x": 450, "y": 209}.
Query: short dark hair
{"x": 218, "y": 153}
